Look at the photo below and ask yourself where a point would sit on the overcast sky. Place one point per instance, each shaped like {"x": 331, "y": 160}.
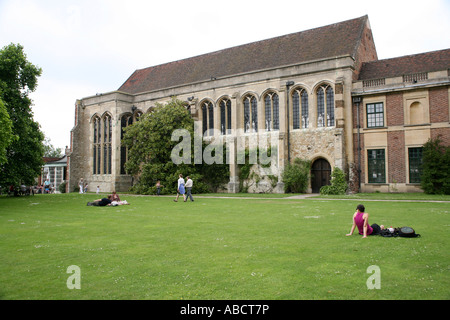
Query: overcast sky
{"x": 89, "y": 47}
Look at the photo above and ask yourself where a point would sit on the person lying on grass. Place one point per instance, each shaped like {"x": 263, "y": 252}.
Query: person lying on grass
{"x": 106, "y": 202}
{"x": 361, "y": 220}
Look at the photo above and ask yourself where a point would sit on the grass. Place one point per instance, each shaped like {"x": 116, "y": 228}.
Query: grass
{"x": 218, "y": 248}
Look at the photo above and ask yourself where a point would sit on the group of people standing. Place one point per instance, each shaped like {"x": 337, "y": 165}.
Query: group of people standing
{"x": 184, "y": 188}
{"x": 83, "y": 186}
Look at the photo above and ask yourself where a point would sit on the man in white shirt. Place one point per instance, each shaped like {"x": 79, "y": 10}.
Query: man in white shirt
{"x": 189, "y": 184}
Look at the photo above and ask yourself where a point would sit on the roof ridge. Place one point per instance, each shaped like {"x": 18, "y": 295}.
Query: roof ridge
{"x": 260, "y": 41}
{"x": 332, "y": 40}
{"x": 407, "y": 64}
{"x": 408, "y": 55}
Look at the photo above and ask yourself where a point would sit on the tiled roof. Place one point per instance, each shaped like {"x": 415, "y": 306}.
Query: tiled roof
{"x": 330, "y": 41}
{"x": 54, "y": 159}
{"x": 418, "y": 63}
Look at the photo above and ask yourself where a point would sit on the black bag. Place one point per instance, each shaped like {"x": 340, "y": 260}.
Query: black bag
{"x": 407, "y": 232}
{"x": 387, "y": 233}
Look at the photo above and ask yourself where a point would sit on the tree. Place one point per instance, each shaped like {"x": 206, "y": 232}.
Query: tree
{"x": 50, "y": 150}
{"x": 18, "y": 78}
{"x": 6, "y": 136}
{"x": 435, "y": 177}
{"x": 150, "y": 146}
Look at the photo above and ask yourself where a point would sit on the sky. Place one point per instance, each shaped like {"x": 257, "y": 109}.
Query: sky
{"x": 89, "y": 47}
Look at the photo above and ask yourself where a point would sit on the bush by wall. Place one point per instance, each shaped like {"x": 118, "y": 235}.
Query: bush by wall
{"x": 338, "y": 185}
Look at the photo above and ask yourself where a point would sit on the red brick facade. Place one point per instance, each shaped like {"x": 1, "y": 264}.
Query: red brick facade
{"x": 396, "y": 157}
{"x": 443, "y": 134}
{"x": 394, "y": 109}
{"x": 439, "y": 105}
{"x": 400, "y": 84}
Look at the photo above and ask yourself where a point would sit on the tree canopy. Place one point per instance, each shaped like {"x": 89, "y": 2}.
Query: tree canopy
{"x": 23, "y": 149}
{"x": 150, "y": 145}
{"x": 6, "y": 135}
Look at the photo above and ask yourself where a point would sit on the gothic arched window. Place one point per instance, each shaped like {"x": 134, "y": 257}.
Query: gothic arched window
{"x": 107, "y": 138}
{"x": 225, "y": 116}
{"x": 325, "y": 106}
{"x": 300, "y": 109}
{"x": 101, "y": 149}
{"x": 126, "y": 120}
{"x": 272, "y": 112}
{"x": 96, "y": 149}
{"x": 208, "y": 118}
{"x": 250, "y": 113}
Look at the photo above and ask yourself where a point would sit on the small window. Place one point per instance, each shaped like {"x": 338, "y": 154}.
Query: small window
{"x": 376, "y": 166}
{"x": 375, "y": 115}
{"x": 415, "y": 164}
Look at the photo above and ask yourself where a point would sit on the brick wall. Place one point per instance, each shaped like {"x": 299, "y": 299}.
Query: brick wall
{"x": 443, "y": 134}
{"x": 439, "y": 104}
{"x": 366, "y": 51}
{"x": 396, "y": 157}
{"x": 394, "y": 109}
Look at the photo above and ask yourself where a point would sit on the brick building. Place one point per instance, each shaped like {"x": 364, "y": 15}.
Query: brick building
{"x": 401, "y": 103}
{"x": 320, "y": 94}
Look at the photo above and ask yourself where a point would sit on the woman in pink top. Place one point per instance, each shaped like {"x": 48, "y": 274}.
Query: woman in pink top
{"x": 361, "y": 220}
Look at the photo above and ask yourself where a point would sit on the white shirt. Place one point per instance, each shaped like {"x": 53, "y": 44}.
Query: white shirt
{"x": 180, "y": 181}
{"x": 189, "y": 183}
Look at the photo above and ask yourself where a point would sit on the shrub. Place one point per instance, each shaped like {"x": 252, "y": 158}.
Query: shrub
{"x": 338, "y": 183}
{"x": 435, "y": 177}
{"x": 62, "y": 187}
{"x": 296, "y": 176}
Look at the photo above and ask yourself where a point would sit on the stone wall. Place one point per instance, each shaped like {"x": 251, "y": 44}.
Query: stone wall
{"x": 311, "y": 144}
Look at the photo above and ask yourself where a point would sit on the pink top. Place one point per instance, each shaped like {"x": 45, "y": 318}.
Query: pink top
{"x": 359, "y": 221}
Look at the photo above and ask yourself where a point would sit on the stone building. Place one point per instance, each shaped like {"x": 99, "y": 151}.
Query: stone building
{"x": 320, "y": 94}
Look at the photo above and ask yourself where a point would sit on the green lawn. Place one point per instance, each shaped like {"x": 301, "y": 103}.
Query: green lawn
{"x": 218, "y": 249}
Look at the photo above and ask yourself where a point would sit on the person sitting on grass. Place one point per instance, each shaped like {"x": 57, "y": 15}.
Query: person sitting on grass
{"x": 361, "y": 220}
{"x": 115, "y": 196}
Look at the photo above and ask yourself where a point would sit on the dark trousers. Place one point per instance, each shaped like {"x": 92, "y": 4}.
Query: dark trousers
{"x": 189, "y": 194}
{"x": 376, "y": 229}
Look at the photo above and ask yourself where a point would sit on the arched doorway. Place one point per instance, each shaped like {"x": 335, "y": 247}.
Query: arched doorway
{"x": 320, "y": 174}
